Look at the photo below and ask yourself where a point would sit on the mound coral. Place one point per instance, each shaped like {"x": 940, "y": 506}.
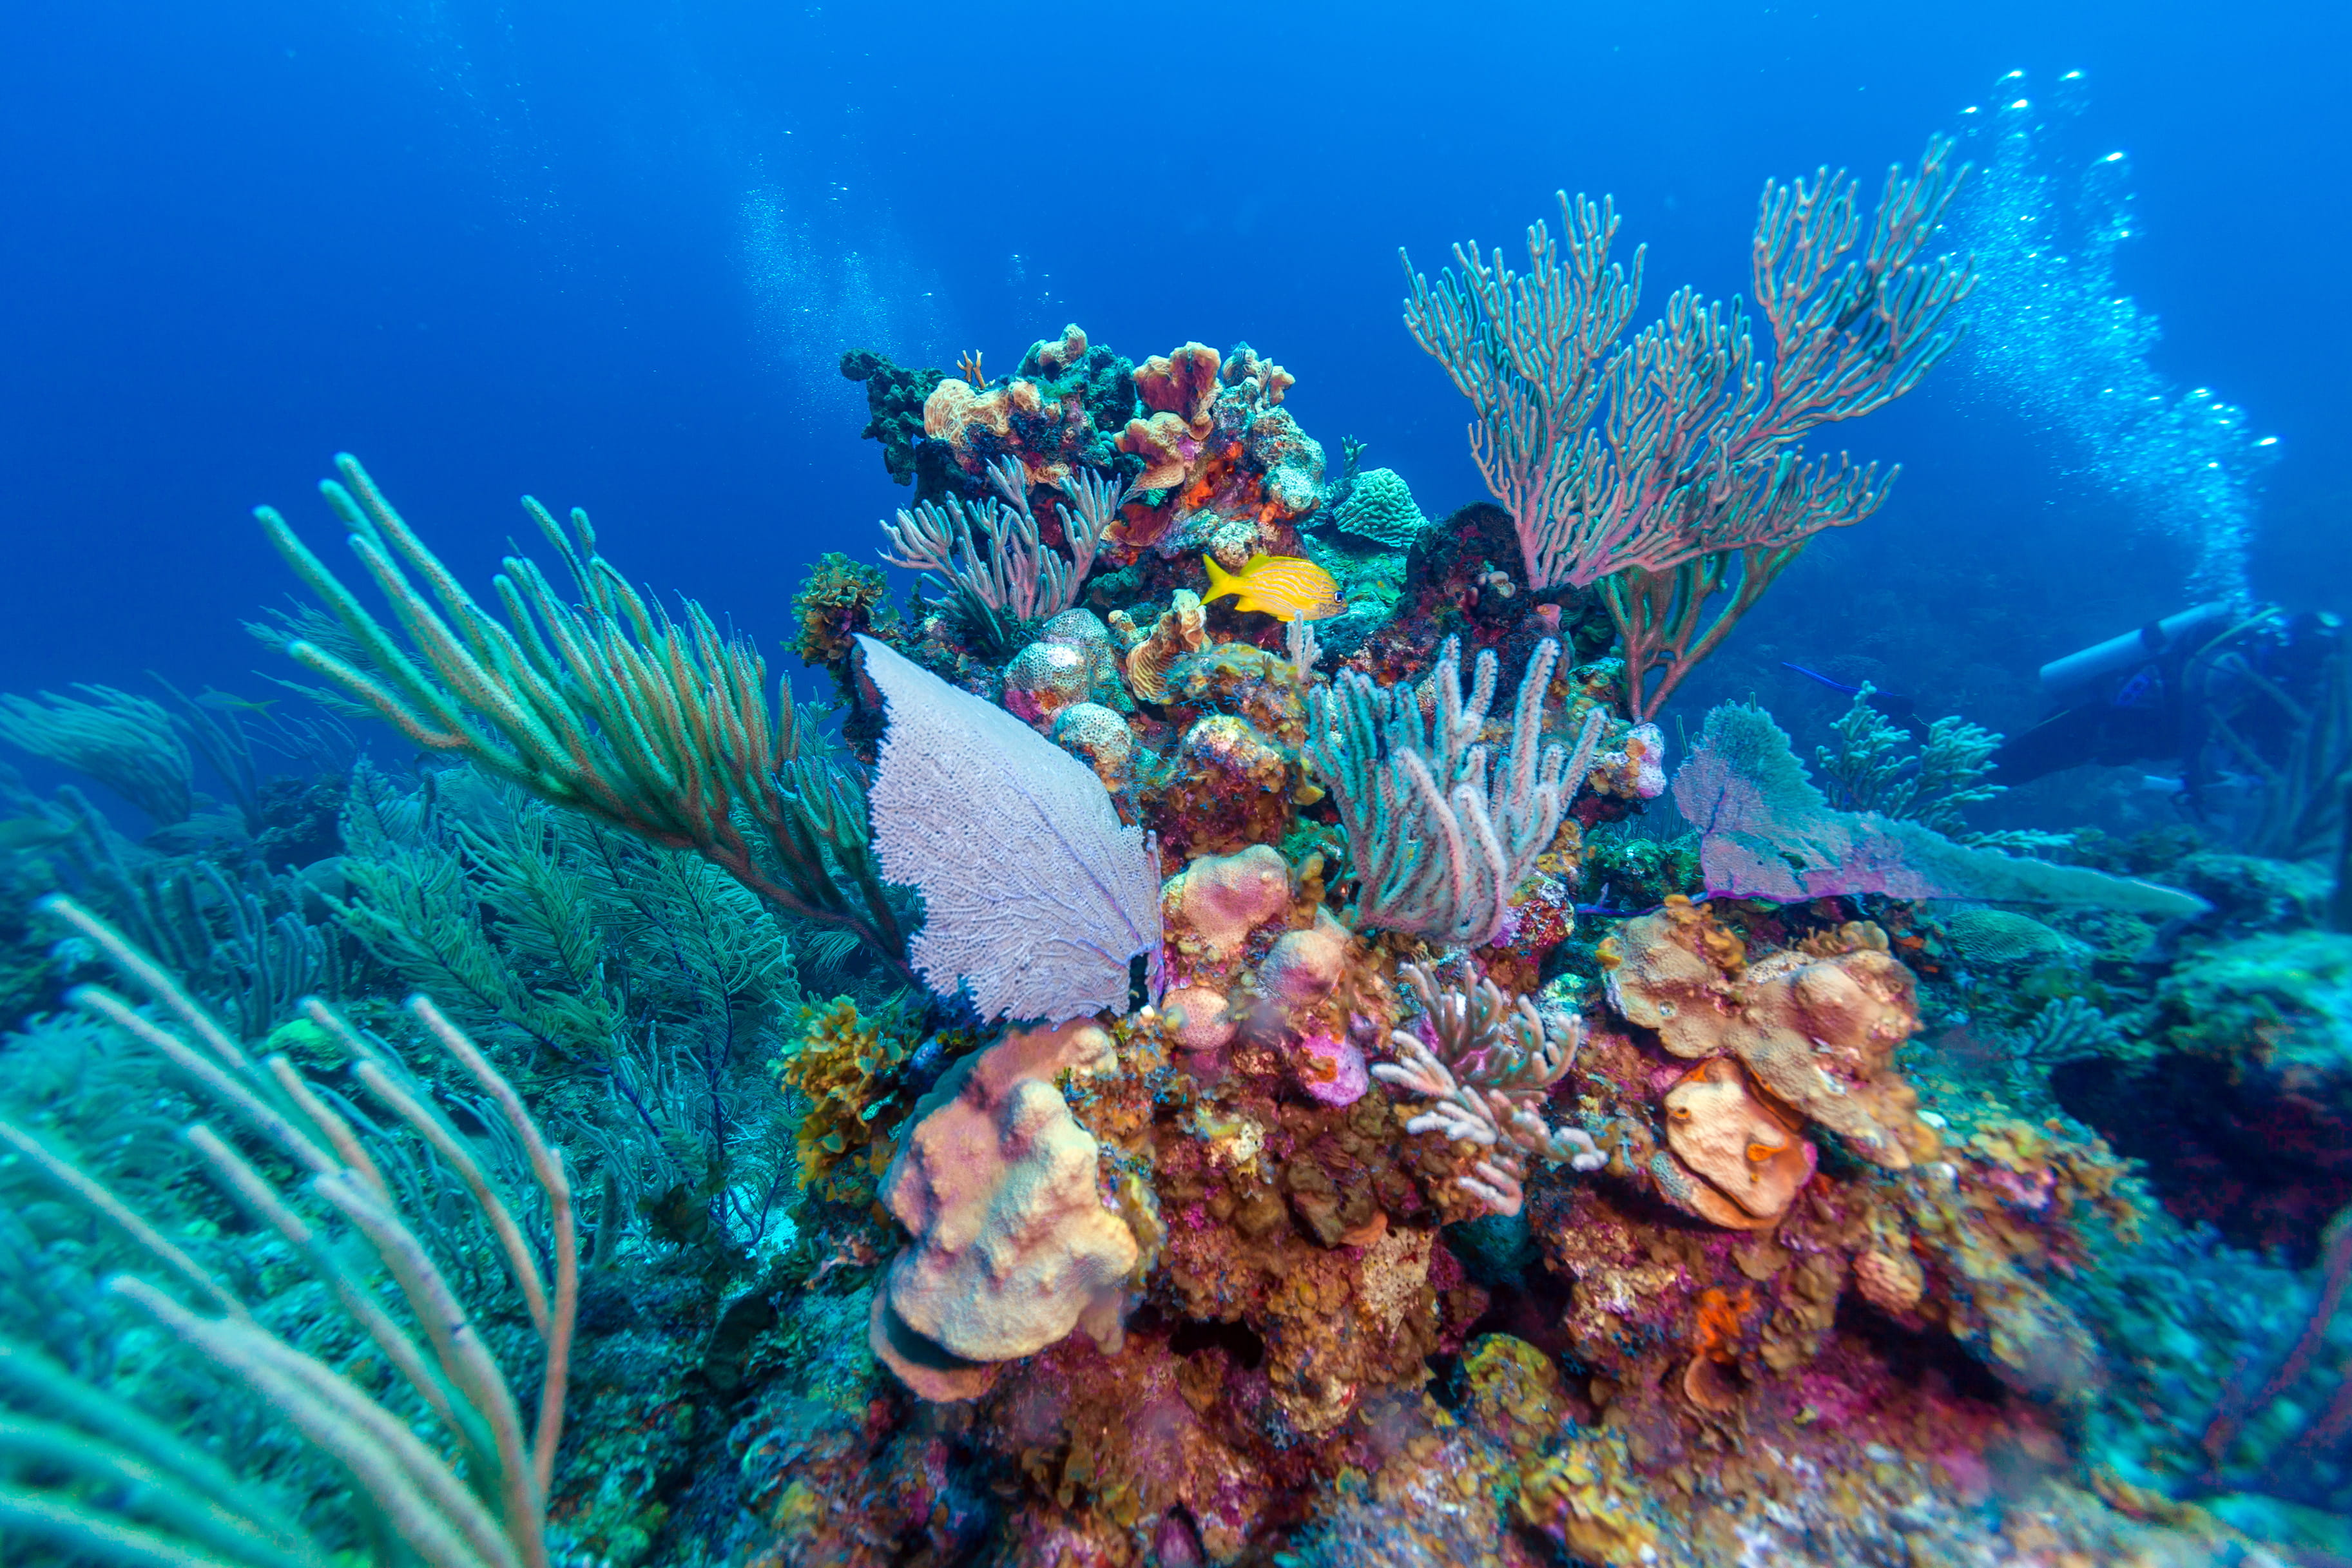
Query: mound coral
{"x": 1070, "y": 663}
{"x": 1101, "y": 739}
{"x": 1211, "y": 906}
{"x": 1012, "y": 1245}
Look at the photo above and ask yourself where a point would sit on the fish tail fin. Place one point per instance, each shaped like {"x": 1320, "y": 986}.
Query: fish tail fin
{"x": 1221, "y": 582}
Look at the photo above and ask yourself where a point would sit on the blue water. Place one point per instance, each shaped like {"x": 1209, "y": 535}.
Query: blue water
{"x": 609, "y": 254}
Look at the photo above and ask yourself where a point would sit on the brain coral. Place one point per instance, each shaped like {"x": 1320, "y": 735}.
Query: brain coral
{"x": 1381, "y": 508}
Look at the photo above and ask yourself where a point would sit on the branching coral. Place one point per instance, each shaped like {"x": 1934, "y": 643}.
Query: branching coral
{"x": 496, "y": 1512}
{"x": 1006, "y": 571}
{"x": 125, "y": 742}
{"x": 1439, "y": 847}
{"x": 1657, "y": 464}
{"x": 1487, "y": 1078}
{"x": 610, "y": 707}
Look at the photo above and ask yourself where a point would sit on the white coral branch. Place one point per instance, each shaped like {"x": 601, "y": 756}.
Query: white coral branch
{"x": 1500, "y": 1107}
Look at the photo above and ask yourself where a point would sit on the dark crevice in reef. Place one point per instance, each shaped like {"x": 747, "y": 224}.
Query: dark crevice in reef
{"x": 1237, "y": 1340}
{"x": 1926, "y": 1358}
{"x": 2266, "y": 1169}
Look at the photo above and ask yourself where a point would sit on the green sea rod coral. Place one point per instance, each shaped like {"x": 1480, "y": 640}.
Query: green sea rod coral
{"x": 113, "y": 1484}
{"x": 609, "y": 706}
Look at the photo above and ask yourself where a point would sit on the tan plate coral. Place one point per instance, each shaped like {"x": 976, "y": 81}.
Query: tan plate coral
{"x": 1816, "y": 1027}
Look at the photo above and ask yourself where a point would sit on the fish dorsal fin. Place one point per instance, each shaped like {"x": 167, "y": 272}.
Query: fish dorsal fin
{"x": 1255, "y": 561}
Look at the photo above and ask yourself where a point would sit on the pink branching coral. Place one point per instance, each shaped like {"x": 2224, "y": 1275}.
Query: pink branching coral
{"x": 1679, "y": 445}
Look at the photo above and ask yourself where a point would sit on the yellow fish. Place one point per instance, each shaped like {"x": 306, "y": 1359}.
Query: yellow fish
{"x": 1284, "y": 586}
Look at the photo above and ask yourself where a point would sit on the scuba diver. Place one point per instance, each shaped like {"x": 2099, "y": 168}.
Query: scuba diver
{"x": 2218, "y": 690}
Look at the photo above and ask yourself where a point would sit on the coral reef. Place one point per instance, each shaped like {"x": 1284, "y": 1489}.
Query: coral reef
{"x": 1193, "y": 1080}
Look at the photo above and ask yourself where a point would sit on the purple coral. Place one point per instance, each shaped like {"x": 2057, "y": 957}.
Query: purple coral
{"x": 1767, "y": 831}
{"x": 1036, "y": 898}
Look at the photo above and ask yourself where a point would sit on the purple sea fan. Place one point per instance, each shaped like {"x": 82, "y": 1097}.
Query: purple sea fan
{"x": 1037, "y": 897}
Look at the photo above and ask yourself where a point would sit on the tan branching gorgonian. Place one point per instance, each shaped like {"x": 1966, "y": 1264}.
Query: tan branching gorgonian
{"x": 1663, "y": 465}
{"x": 609, "y": 707}
{"x": 1487, "y": 1081}
{"x": 992, "y": 553}
{"x": 485, "y": 1509}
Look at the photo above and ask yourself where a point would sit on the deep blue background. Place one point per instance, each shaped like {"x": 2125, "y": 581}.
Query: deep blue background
{"x": 610, "y": 253}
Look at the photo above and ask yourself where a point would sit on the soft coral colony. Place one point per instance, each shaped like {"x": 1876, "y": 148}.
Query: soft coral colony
{"x": 1296, "y": 1150}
